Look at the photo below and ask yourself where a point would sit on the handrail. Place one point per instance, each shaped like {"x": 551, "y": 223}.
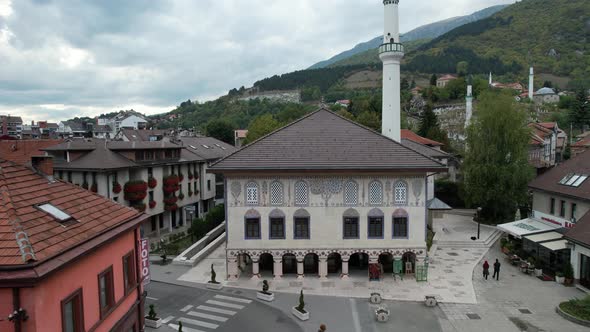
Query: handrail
{"x": 391, "y": 47}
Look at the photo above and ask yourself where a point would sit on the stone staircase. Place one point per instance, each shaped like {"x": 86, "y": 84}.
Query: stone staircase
{"x": 468, "y": 243}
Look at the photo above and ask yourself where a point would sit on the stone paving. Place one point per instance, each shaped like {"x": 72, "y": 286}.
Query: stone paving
{"x": 448, "y": 279}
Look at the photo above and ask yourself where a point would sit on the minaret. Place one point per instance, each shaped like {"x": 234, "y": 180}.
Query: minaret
{"x": 531, "y": 84}
{"x": 469, "y": 106}
{"x": 491, "y": 82}
{"x": 391, "y": 53}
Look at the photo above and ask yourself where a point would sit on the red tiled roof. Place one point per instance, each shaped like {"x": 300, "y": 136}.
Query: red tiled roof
{"x": 22, "y": 189}
{"x": 412, "y": 136}
{"x": 548, "y": 125}
{"x": 447, "y": 78}
{"x": 21, "y": 151}
{"x": 582, "y": 143}
{"x": 581, "y": 232}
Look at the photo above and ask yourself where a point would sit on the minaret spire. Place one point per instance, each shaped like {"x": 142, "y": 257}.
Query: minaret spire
{"x": 531, "y": 83}
{"x": 469, "y": 104}
{"x": 391, "y": 52}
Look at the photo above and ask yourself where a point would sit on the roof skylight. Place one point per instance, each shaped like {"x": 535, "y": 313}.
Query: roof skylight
{"x": 205, "y": 146}
{"x": 573, "y": 180}
{"x": 193, "y": 147}
{"x": 55, "y": 212}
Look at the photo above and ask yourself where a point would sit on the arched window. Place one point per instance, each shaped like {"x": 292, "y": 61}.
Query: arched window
{"x": 252, "y": 193}
{"x": 252, "y": 225}
{"x": 276, "y": 193}
{"x": 351, "y": 193}
{"x": 400, "y": 225}
{"x": 400, "y": 193}
{"x": 276, "y": 225}
{"x": 376, "y": 193}
{"x": 350, "y": 228}
{"x": 301, "y": 193}
{"x": 301, "y": 228}
{"x": 375, "y": 224}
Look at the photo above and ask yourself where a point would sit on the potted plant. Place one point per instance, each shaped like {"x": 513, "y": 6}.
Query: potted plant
{"x": 568, "y": 274}
{"x": 559, "y": 278}
{"x": 299, "y": 311}
{"x": 538, "y": 269}
{"x": 152, "y": 182}
{"x": 94, "y": 188}
{"x": 153, "y": 204}
{"x": 116, "y": 187}
{"x": 503, "y": 244}
{"x": 152, "y": 320}
{"x": 265, "y": 295}
{"x": 214, "y": 284}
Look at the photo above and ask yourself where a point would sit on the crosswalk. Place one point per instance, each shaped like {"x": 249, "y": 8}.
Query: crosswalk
{"x": 209, "y": 315}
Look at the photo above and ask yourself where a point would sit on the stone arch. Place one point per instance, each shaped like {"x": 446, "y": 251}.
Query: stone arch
{"x": 252, "y": 213}
{"x": 351, "y": 213}
{"x": 334, "y": 263}
{"x": 409, "y": 257}
{"x": 289, "y": 263}
{"x": 375, "y": 213}
{"x": 311, "y": 263}
{"x": 266, "y": 262}
{"x": 386, "y": 261}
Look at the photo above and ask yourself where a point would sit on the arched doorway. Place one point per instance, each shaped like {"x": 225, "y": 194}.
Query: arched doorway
{"x": 358, "y": 264}
{"x": 245, "y": 265}
{"x": 266, "y": 265}
{"x": 334, "y": 263}
{"x": 386, "y": 261}
{"x": 310, "y": 264}
{"x": 409, "y": 262}
{"x": 289, "y": 264}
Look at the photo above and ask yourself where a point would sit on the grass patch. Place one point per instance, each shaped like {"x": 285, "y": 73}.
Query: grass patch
{"x": 429, "y": 239}
{"x": 579, "y": 308}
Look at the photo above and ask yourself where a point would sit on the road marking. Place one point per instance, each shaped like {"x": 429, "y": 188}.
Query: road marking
{"x": 225, "y": 304}
{"x": 355, "y": 315}
{"x": 151, "y": 298}
{"x": 187, "y": 308}
{"x": 167, "y": 319}
{"x": 198, "y": 323}
{"x": 217, "y": 310}
{"x": 184, "y": 328}
{"x": 235, "y": 299}
{"x": 207, "y": 316}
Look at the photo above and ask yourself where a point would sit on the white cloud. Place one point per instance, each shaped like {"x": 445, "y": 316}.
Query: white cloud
{"x": 99, "y": 56}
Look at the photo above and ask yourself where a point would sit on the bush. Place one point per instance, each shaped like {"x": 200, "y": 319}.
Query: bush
{"x": 450, "y": 193}
{"x": 579, "y": 308}
{"x": 568, "y": 272}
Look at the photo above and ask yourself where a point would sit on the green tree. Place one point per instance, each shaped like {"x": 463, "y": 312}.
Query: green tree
{"x": 370, "y": 119}
{"x": 344, "y": 113}
{"x": 496, "y": 168}
{"x": 428, "y": 121}
{"x": 312, "y": 93}
{"x": 462, "y": 68}
{"x": 580, "y": 109}
{"x": 222, "y": 130}
{"x": 433, "y": 79}
{"x": 261, "y": 126}
{"x": 404, "y": 84}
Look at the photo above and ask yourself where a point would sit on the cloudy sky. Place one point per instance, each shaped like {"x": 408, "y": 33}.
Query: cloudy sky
{"x": 66, "y": 58}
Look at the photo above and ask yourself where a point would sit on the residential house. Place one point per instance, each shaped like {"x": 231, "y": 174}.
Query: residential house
{"x": 68, "y": 257}
{"x": 21, "y": 151}
{"x": 11, "y": 126}
{"x": 72, "y": 129}
{"x": 124, "y": 120}
{"x": 546, "y": 145}
{"x": 325, "y": 196}
{"x": 343, "y": 103}
{"x": 102, "y": 131}
{"x": 580, "y": 146}
{"x": 239, "y": 137}
{"x": 442, "y": 81}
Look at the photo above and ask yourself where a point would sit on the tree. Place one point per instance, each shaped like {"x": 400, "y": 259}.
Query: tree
{"x": 462, "y": 68}
{"x": 496, "y": 168}
{"x": 433, "y": 79}
{"x": 222, "y": 130}
{"x": 547, "y": 84}
{"x": 580, "y": 109}
{"x": 429, "y": 120}
{"x": 261, "y": 126}
{"x": 404, "y": 84}
{"x": 370, "y": 119}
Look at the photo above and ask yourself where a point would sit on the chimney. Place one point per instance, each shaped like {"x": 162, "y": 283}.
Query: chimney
{"x": 43, "y": 165}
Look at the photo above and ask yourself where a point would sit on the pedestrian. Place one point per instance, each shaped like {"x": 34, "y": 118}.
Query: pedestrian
{"x": 322, "y": 328}
{"x": 486, "y": 270}
{"x": 496, "y": 270}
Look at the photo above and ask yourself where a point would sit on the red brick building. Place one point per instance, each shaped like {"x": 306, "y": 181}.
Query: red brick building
{"x": 68, "y": 257}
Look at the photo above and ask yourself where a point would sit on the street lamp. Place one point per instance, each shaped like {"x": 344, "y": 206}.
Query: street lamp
{"x": 478, "y": 217}
{"x": 190, "y": 213}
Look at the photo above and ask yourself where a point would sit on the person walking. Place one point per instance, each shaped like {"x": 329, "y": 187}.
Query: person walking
{"x": 486, "y": 270}
{"x": 496, "y": 270}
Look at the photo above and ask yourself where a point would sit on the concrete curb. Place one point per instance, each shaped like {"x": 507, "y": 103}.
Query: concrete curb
{"x": 572, "y": 318}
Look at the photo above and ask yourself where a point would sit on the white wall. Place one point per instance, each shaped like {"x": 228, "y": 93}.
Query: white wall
{"x": 576, "y": 258}
{"x": 542, "y": 203}
{"x": 326, "y": 224}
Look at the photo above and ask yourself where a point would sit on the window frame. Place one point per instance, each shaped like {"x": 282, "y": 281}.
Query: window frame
{"x": 376, "y": 183}
{"x": 307, "y": 222}
{"x": 562, "y": 209}
{"x": 110, "y": 292}
{"x": 351, "y": 189}
{"x": 249, "y": 219}
{"x": 371, "y": 218}
{"x": 305, "y": 193}
{"x": 129, "y": 271}
{"x": 393, "y": 228}
{"x": 251, "y": 185}
{"x": 77, "y": 310}
{"x": 552, "y": 206}
{"x": 573, "y": 211}
{"x": 272, "y": 220}
{"x": 405, "y": 201}
{"x": 277, "y": 186}
{"x": 344, "y": 223}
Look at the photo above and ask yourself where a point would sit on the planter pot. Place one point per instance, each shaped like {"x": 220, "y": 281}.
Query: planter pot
{"x": 217, "y": 286}
{"x": 568, "y": 282}
{"x": 153, "y": 323}
{"x": 300, "y": 315}
{"x": 560, "y": 280}
{"x": 269, "y": 297}
{"x": 538, "y": 272}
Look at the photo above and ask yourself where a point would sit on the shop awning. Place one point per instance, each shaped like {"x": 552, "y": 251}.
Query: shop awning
{"x": 527, "y": 226}
{"x": 548, "y": 236}
{"x": 555, "y": 245}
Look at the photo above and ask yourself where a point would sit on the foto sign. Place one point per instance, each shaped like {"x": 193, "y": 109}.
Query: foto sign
{"x": 144, "y": 256}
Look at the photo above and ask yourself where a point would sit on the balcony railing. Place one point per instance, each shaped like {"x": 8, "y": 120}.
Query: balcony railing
{"x": 391, "y": 47}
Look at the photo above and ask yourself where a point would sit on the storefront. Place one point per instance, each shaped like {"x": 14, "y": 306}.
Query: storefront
{"x": 549, "y": 251}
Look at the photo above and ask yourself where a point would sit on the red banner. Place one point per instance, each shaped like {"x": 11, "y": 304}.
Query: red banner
{"x": 144, "y": 256}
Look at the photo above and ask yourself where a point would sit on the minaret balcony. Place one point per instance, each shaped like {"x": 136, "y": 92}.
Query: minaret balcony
{"x": 391, "y": 47}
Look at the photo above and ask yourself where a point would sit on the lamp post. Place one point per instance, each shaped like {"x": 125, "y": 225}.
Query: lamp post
{"x": 190, "y": 213}
{"x": 478, "y": 217}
